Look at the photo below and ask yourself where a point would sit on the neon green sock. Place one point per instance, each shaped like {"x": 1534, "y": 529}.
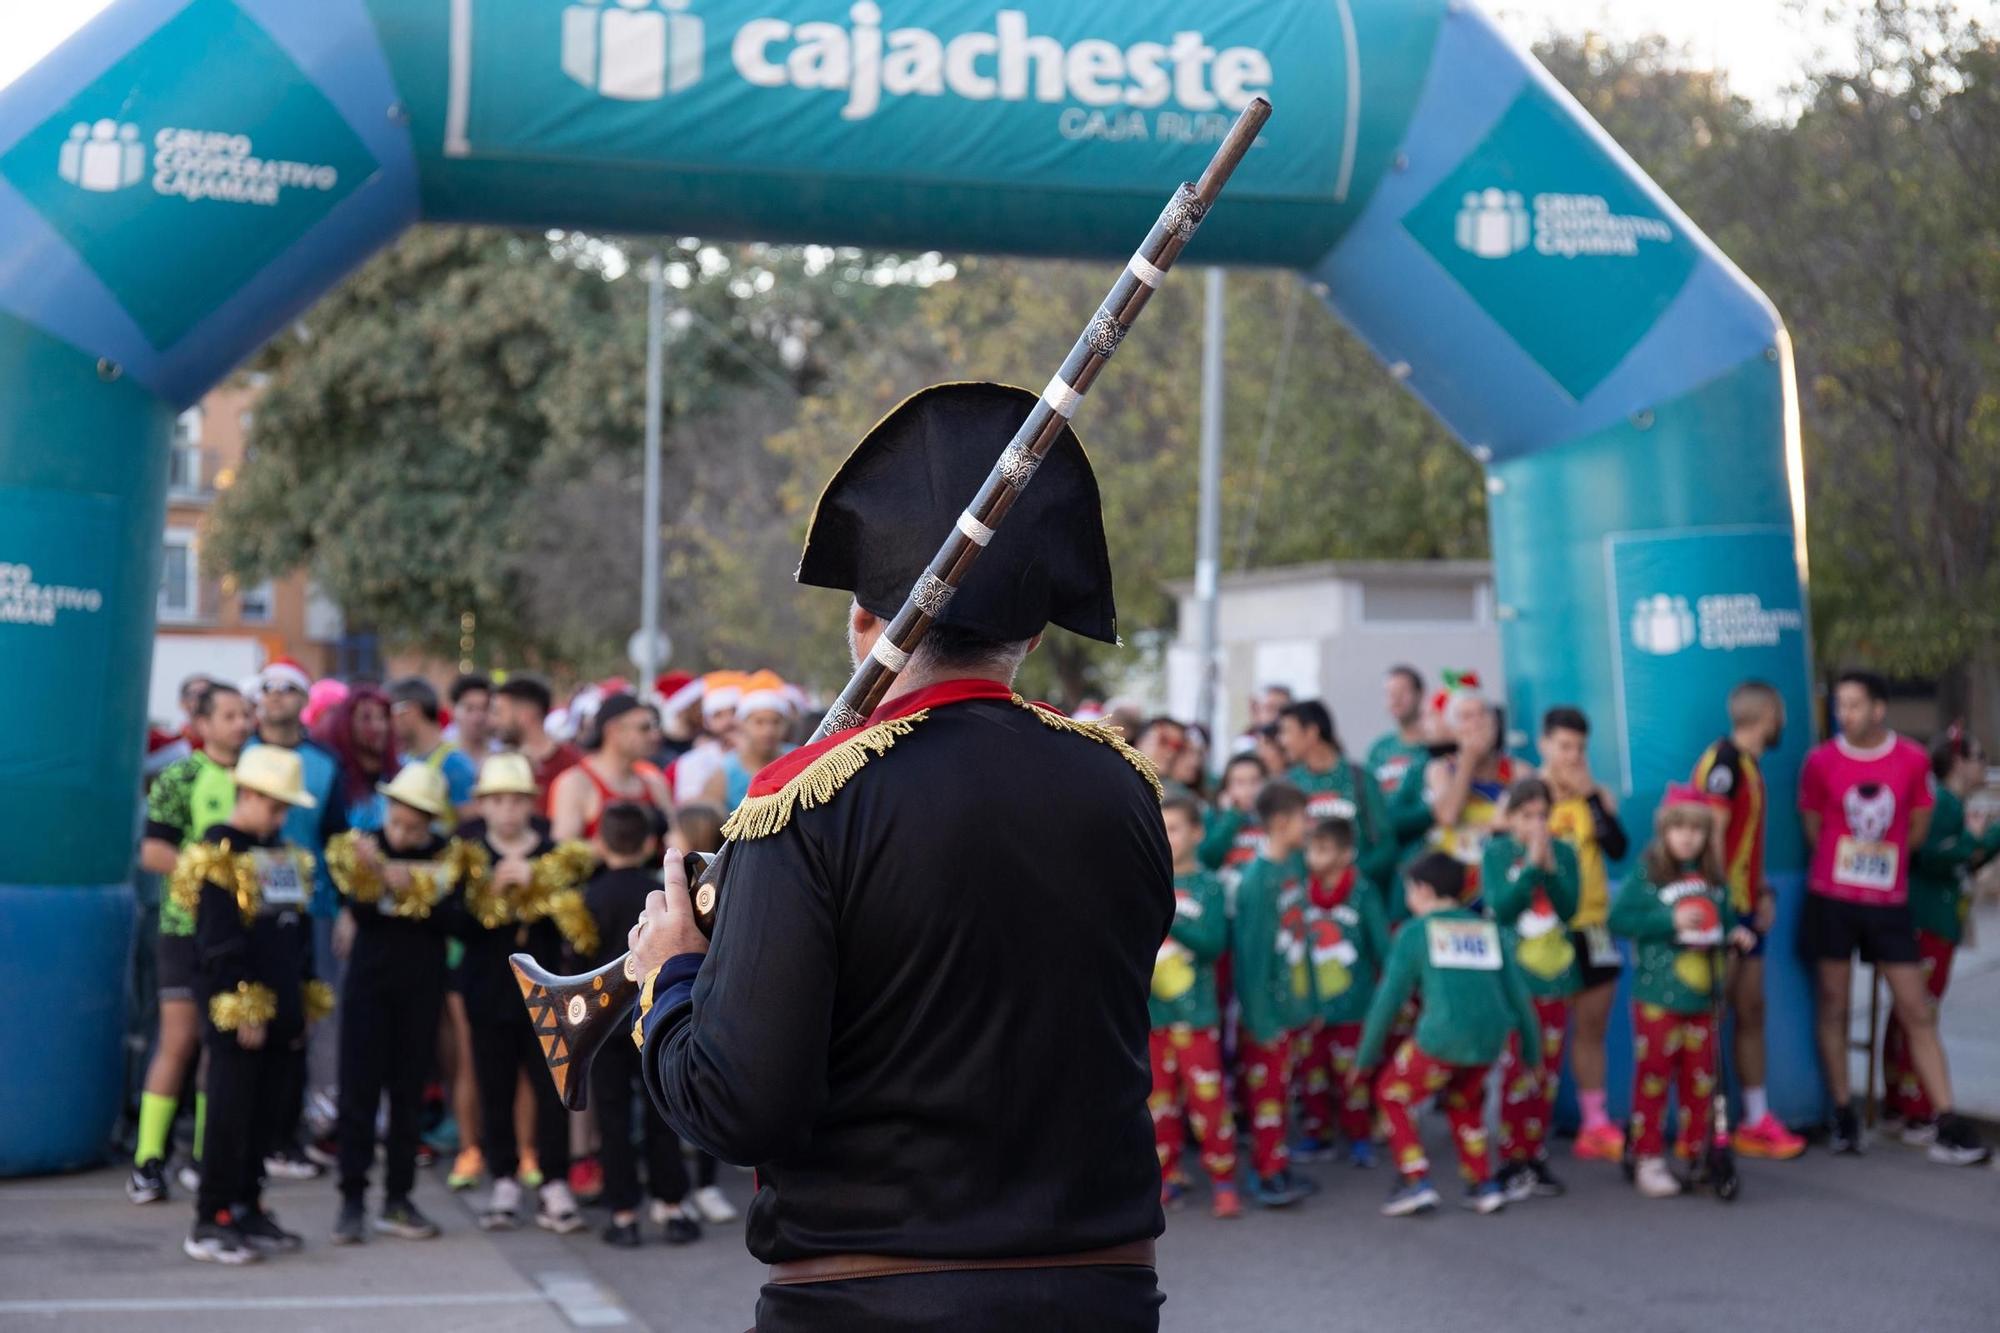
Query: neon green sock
{"x": 156, "y": 1122}
{"x": 200, "y": 1122}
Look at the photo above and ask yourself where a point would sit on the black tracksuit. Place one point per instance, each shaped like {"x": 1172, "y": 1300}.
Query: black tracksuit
{"x": 389, "y": 1006}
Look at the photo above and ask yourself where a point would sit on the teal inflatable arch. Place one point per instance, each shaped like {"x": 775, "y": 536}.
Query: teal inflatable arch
{"x": 185, "y": 175}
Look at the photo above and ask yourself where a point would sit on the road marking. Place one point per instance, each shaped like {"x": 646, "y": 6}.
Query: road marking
{"x": 581, "y": 1301}
{"x": 164, "y": 1305}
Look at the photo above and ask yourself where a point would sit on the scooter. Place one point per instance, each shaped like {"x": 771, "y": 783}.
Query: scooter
{"x": 1714, "y": 1165}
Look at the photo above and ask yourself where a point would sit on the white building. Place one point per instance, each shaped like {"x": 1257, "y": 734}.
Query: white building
{"x": 1332, "y": 630}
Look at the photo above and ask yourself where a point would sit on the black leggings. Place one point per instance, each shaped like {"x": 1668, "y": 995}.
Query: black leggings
{"x": 614, "y": 1081}
{"x": 248, "y": 1092}
{"x": 388, "y": 1042}
{"x": 499, "y": 1052}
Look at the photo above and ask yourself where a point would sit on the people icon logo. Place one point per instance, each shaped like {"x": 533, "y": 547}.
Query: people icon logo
{"x": 103, "y": 157}
{"x": 1662, "y": 625}
{"x": 1494, "y": 224}
{"x": 632, "y": 50}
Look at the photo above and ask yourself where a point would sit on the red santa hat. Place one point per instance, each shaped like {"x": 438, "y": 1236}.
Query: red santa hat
{"x": 677, "y": 690}
{"x": 283, "y": 673}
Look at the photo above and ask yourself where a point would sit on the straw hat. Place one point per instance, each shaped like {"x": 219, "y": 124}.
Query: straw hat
{"x": 506, "y": 775}
{"x": 420, "y": 787}
{"x": 274, "y": 771}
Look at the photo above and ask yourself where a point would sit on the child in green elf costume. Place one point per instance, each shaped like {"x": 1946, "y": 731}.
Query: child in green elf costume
{"x": 1347, "y": 937}
{"x": 1273, "y": 987}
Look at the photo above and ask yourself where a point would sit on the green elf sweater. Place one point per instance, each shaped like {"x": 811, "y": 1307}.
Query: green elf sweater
{"x": 1673, "y": 971}
{"x": 1939, "y": 868}
{"x": 1398, "y": 767}
{"x": 1347, "y": 935}
{"x": 1346, "y": 792}
{"x": 1472, "y": 992}
{"x": 1184, "y": 970}
{"x": 1230, "y": 838}
{"x": 1268, "y": 949}
{"x": 1532, "y": 904}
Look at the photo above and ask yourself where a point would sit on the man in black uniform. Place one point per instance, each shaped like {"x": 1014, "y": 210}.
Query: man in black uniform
{"x": 923, "y": 1014}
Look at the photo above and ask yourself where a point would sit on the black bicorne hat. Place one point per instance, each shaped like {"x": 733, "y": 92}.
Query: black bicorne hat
{"x": 894, "y": 501}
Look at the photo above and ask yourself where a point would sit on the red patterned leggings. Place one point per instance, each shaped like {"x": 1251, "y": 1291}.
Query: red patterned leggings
{"x": 1187, "y": 1074}
{"x": 1669, "y": 1047}
{"x": 1528, "y": 1097}
{"x": 1905, "y": 1090}
{"x": 1266, "y": 1072}
{"x": 1413, "y": 1078}
{"x": 1333, "y": 1098}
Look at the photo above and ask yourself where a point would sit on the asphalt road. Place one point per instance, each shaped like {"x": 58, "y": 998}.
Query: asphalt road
{"x": 1884, "y": 1242}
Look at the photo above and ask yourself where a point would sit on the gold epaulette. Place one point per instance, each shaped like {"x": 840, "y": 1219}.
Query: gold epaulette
{"x": 248, "y": 1005}
{"x": 1104, "y": 733}
{"x": 319, "y": 1000}
{"x": 817, "y": 782}
{"x": 214, "y": 862}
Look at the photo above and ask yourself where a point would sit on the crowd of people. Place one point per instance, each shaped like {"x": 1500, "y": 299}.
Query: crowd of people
{"x": 346, "y": 868}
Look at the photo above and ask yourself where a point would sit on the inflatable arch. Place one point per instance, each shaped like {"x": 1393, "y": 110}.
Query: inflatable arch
{"x": 184, "y": 175}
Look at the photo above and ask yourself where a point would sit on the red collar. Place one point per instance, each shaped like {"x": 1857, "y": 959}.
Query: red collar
{"x": 779, "y": 771}
{"x": 1333, "y": 895}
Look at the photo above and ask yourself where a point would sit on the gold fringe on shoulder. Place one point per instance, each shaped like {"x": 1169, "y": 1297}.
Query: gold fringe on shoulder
{"x": 816, "y": 784}
{"x": 248, "y": 1005}
{"x": 319, "y": 1000}
{"x": 215, "y": 863}
{"x": 1104, "y": 733}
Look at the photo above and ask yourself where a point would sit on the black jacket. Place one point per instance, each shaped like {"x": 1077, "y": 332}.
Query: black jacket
{"x": 400, "y": 951}
{"x": 273, "y": 949}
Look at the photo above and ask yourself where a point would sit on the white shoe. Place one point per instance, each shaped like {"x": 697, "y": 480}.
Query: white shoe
{"x": 1655, "y": 1180}
{"x": 190, "y": 1178}
{"x": 503, "y": 1211}
{"x": 557, "y": 1209}
{"x": 710, "y": 1203}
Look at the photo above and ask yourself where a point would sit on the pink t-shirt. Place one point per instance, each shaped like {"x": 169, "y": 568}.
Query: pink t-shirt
{"x": 1864, "y": 799}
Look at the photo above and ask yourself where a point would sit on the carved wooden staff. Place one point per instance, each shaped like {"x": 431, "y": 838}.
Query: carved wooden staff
{"x": 573, "y": 1016}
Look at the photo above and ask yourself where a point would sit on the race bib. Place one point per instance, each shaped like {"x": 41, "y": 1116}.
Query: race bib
{"x": 1861, "y": 864}
{"x": 1467, "y": 945}
{"x": 280, "y": 879}
{"x": 1601, "y": 949}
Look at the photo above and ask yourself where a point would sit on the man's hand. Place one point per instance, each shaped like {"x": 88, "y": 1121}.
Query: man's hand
{"x": 250, "y": 1036}
{"x": 1742, "y": 940}
{"x": 666, "y": 929}
{"x": 513, "y": 872}
{"x": 1767, "y": 911}
{"x": 397, "y": 876}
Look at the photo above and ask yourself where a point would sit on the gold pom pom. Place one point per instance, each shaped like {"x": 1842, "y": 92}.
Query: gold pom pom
{"x": 247, "y": 1006}
{"x": 469, "y": 868}
{"x": 360, "y": 881}
{"x": 319, "y": 1000}
{"x": 575, "y": 922}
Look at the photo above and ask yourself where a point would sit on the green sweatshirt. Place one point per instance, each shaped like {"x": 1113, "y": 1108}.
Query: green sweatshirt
{"x": 1348, "y": 937}
{"x": 1398, "y": 767}
{"x": 1939, "y": 868}
{"x": 1268, "y": 947}
{"x": 1224, "y": 838}
{"x": 1677, "y": 977}
{"x": 1532, "y": 905}
{"x": 1184, "y": 971}
{"x": 1349, "y": 793}
{"x": 1471, "y": 988}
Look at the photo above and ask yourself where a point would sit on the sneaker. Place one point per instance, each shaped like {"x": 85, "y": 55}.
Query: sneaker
{"x": 291, "y": 1163}
{"x": 1600, "y": 1143}
{"x": 1958, "y": 1143}
{"x": 261, "y": 1229}
{"x": 466, "y": 1169}
{"x": 1311, "y": 1149}
{"x": 586, "y": 1179}
{"x": 1227, "y": 1204}
{"x": 351, "y": 1227}
{"x": 1172, "y": 1195}
{"x": 1919, "y": 1133}
{"x": 1488, "y": 1196}
{"x": 1277, "y": 1190}
{"x": 1654, "y": 1179}
{"x": 443, "y": 1137}
{"x": 503, "y": 1210}
{"x": 218, "y": 1241}
{"x": 148, "y": 1182}
{"x": 1768, "y": 1139}
{"x": 1517, "y": 1182}
{"x": 1547, "y": 1184}
{"x": 1845, "y": 1136}
{"x": 324, "y": 1150}
{"x": 713, "y": 1207}
{"x": 529, "y": 1172}
{"x": 678, "y": 1224}
{"x": 555, "y": 1209}
{"x": 189, "y": 1177}
{"x": 1410, "y": 1198}
{"x": 400, "y": 1218}
{"x": 1361, "y": 1155}
{"x": 624, "y": 1235}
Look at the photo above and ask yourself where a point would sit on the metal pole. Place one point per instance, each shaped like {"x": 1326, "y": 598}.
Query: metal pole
{"x": 1208, "y": 549}
{"x": 649, "y": 546}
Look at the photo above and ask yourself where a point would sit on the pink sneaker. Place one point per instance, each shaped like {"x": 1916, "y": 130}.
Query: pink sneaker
{"x": 1601, "y": 1143}
{"x": 1768, "y": 1138}
{"x": 1227, "y": 1204}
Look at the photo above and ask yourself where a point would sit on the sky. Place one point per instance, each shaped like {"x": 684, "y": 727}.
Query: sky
{"x": 1760, "y": 44}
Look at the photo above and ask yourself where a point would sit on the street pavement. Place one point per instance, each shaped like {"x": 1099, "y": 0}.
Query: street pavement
{"x": 1882, "y": 1242}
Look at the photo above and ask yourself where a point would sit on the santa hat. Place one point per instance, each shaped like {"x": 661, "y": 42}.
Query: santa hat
{"x": 677, "y": 689}
{"x": 1679, "y": 795}
{"x": 721, "y": 690}
{"x": 1455, "y": 684}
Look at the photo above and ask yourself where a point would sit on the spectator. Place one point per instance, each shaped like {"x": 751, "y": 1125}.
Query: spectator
{"x": 1463, "y": 789}
{"x": 1273, "y": 987}
{"x": 680, "y": 716}
{"x": 1399, "y": 756}
{"x": 1585, "y": 816}
{"x": 320, "y": 699}
{"x": 1337, "y": 788}
{"x": 1264, "y": 745}
{"x": 520, "y": 716}
{"x": 762, "y": 720}
{"x": 1234, "y": 837}
{"x": 356, "y": 730}
{"x": 414, "y": 715}
{"x": 619, "y": 769}
{"x": 1266, "y": 704}
{"x": 471, "y": 728}
{"x": 1162, "y": 740}
{"x": 1865, "y": 800}
{"x": 1729, "y": 773}
{"x": 698, "y": 775}
{"x": 1190, "y": 770}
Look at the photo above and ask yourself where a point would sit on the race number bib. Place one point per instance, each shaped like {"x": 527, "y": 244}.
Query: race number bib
{"x": 280, "y": 878}
{"x": 1467, "y": 945}
{"x": 1861, "y": 864}
{"x": 1600, "y": 948}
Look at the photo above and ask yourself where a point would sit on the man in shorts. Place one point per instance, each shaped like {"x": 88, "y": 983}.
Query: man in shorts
{"x": 1865, "y": 802}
